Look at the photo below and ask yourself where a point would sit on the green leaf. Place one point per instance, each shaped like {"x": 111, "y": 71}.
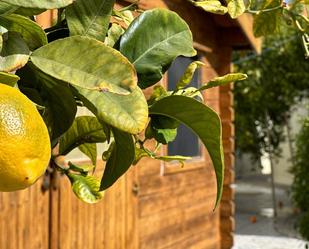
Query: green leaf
{"x": 120, "y": 160}
{"x": 31, "y": 32}
{"x": 89, "y": 150}
{"x": 180, "y": 159}
{"x": 153, "y": 41}
{"x": 40, "y": 4}
{"x": 60, "y": 106}
{"x": 1, "y": 40}
{"x": 139, "y": 154}
{"x": 203, "y": 121}
{"x": 212, "y": 6}
{"x": 157, "y": 93}
{"x": 113, "y": 35}
{"x": 188, "y": 74}
{"x": 126, "y": 16}
{"x": 89, "y": 17}
{"x": 28, "y": 11}
{"x": 266, "y": 23}
{"x": 128, "y": 113}
{"x": 106, "y": 154}
{"x": 6, "y": 8}
{"x": 191, "y": 92}
{"x": 81, "y": 168}
{"x": 162, "y": 129}
{"x": 8, "y": 79}
{"x": 86, "y": 63}
{"x": 86, "y": 188}
{"x": 164, "y": 136}
{"x": 236, "y": 7}
{"x": 223, "y": 80}
{"x": 85, "y": 129}
{"x": 15, "y": 52}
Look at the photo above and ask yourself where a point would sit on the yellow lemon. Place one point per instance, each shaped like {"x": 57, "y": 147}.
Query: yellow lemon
{"x": 24, "y": 141}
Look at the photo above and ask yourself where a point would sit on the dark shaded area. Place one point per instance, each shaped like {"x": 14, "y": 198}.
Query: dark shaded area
{"x": 186, "y": 142}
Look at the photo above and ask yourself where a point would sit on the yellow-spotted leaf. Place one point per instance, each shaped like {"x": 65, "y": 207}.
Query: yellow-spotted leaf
{"x": 86, "y": 188}
{"x": 86, "y": 63}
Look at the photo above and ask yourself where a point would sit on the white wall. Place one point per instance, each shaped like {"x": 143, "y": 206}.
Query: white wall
{"x": 283, "y": 164}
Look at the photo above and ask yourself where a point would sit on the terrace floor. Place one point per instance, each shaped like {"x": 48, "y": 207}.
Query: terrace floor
{"x": 256, "y": 228}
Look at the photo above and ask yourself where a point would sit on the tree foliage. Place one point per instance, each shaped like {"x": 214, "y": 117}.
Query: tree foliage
{"x": 300, "y": 187}
{"x": 277, "y": 80}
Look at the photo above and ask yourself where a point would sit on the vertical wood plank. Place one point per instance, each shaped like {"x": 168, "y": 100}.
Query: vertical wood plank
{"x": 24, "y": 218}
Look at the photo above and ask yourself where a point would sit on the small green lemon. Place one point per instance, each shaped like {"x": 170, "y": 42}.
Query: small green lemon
{"x": 24, "y": 141}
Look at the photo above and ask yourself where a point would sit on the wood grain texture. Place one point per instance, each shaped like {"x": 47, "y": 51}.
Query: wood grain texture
{"x": 24, "y": 218}
{"x": 107, "y": 224}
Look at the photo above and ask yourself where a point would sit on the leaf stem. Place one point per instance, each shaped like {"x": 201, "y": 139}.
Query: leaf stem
{"x": 158, "y": 146}
{"x": 58, "y": 167}
{"x": 256, "y": 12}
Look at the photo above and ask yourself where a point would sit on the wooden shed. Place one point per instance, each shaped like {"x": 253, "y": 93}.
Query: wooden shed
{"x": 155, "y": 205}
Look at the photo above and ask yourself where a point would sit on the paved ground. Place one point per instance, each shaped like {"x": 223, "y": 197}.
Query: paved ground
{"x": 267, "y": 242}
{"x": 255, "y": 226}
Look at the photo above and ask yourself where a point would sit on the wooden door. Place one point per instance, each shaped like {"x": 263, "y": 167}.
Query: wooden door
{"x": 107, "y": 224}
{"x": 24, "y": 218}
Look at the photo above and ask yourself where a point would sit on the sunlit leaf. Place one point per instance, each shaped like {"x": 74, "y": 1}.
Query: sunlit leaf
{"x": 212, "y": 6}
{"x": 188, "y": 74}
{"x": 8, "y": 79}
{"x": 85, "y": 129}
{"x": 87, "y": 63}
{"x": 41, "y": 4}
{"x": 223, "y": 80}
{"x": 113, "y": 35}
{"x": 157, "y": 93}
{"x": 139, "y": 154}
{"x": 89, "y": 17}
{"x": 15, "y": 52}
{"x": 191, "y": 92}
{"x": 236, "y": 7}
{"x": 86, "y": 188}
{"x": 126, "y": 16}
{"x": 31, "y": 32}
{"x": 180, "y": 159}
{"x": 153, "y": 41}
{"x": 81, "y": 168}
{"x": 128, "y": 113}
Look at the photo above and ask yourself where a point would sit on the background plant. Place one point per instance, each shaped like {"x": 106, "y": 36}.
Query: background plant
{"x": 300, "y": 187}
{"x": 277, "y": 81}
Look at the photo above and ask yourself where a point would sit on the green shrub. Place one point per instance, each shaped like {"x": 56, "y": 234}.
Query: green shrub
{"x": 300, "y": 188}
{"x": 304, "y": 225}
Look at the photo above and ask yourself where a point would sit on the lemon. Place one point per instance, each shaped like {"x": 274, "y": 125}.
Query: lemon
{"x": 24, "y": 141}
